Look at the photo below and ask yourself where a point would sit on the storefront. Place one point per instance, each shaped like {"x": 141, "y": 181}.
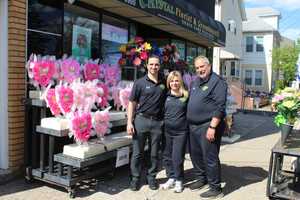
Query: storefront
{"x": 89, "y": 30}
{"x": 55, "y": 27}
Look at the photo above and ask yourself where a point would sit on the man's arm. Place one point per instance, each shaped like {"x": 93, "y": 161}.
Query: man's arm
{"x": 130, "y": 114}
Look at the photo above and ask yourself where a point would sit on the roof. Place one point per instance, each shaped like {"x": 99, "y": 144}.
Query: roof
{"x": 242, "y": 10}
{"x": 257, "y": 25}
{"x": 261, "y": 12}
{"x": 255, "y": 22}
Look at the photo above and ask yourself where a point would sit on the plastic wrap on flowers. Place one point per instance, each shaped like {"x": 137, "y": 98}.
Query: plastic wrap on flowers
{"x": 116, "y": 97}
{"x": 64, "y": 97}
{"x": 70, "y": 69}
{"x": 80, "y": 126}
{"x": 50, "y": 98}
{"x": 101, "y": 122}
{"x": 85, "y": 95}
{"x": 103, "y": 95}
{"x": 112, "y": 75}
{"x": 124, "y": 97}
{"x": 41, "y": 70}
{"x": 91, "y": 71}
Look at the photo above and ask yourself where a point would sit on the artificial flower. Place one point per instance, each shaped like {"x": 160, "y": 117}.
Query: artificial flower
{"x": 70, "y": 69}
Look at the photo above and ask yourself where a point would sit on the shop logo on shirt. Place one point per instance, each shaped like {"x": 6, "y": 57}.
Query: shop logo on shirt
{"x": 204, "y": 88}
{"x": 183, "y": 99}
{"x": 148, "y": 87}
{"x": 162, "y": 86}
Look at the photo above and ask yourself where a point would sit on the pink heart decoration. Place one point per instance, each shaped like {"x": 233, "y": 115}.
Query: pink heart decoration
{"x": 43, "y": 71}
{"x": 52, "y": 103}
{"x": 91, "y": 71}
{"x": 81, "y": 125}
{"x": 65, "y": 98}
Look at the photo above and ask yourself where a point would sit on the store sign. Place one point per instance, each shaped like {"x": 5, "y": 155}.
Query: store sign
{"x": 171, "y": 12}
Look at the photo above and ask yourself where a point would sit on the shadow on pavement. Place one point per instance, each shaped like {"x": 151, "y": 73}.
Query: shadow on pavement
{"x": 237, "y": 177}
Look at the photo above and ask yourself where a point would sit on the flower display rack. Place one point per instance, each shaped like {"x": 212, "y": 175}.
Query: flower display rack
{"x": 59, "y": 169}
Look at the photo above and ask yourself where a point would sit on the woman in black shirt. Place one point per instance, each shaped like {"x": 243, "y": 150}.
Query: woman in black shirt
{"x": 176, "y": 129}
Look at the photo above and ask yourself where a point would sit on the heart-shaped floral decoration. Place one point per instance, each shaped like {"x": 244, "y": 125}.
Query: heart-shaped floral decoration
{"x": 65, "y": 98}
{"x": 91, "y": 71}
{"x": 51, "y": 102}
{"x": 70, "y": 69}
{"x": 43, "y": 71}
{"x": 81, "y": 125}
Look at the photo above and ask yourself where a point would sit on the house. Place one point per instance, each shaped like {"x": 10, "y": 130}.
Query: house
{"x": 227, "y": 60}
{"x": 260, "y": 37}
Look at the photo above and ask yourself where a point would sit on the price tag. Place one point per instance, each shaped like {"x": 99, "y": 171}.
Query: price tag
{"x": 122, "y": 156}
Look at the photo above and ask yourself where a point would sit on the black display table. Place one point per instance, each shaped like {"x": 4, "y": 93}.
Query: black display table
{"x": 284, "y": 183}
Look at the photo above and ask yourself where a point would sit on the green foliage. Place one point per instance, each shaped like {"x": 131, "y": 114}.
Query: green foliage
{"x": 284, "y": 60}
{"x": 279, "y": 85}
{"x": 287, "y": 104}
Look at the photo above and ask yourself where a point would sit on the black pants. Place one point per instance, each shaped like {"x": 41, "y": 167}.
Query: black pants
{"x": 205, "y": 154}
{"x": 174, "y": 153}
{"x": 145, "y": 129}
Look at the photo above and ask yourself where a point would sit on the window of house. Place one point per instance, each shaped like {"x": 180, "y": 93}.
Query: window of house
{"x": 259, "y": 43}
{"x": 249, "y": 43}
{"x": 81, "y": 33}
{"x": 232, "y": 68}
{"x": 258, "y": 77}
{"x": 235, "y": 31}
{"x": 229, "y": 26}
{"x": 248, "y": 77}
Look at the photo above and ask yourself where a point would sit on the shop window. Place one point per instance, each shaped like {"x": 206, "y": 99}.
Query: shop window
{"x": 180, "y": 45}
{"x": 201, "y": 51}
{"x": 44, "y": 34}
{"x": 81, "y": 33}
{"x": 191, "y": 53}
{"x": 114, "y": 34}
{"x": 45, "y": 16}
{"x": 232, "y": 68}
{"x": 258, "y": 77}
{"x": 249, "y": 43}
{"x": 259, "y": 43}
{"x": 132, "y": 31}
{"x": 44, "y": 44}
{"x": 248, "y": 77}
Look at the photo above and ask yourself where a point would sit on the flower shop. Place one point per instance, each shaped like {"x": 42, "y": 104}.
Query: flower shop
{"x": 82, "y": 58}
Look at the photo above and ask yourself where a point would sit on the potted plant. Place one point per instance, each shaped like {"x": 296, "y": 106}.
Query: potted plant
{"x": 287, "y": 103}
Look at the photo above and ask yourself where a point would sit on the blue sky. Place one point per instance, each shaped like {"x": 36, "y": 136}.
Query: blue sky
{"x": 290, "y": 14}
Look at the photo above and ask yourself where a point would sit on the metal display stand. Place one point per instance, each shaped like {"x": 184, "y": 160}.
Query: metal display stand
{"x": 283, "y": 183}
{"x": 59, "y": 169}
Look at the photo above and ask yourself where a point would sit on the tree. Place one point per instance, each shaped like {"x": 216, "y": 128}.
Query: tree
{"x": 284, "y": 62}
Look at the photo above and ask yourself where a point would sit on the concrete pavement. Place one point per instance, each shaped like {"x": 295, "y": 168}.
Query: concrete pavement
{"x": 244, "y": 172}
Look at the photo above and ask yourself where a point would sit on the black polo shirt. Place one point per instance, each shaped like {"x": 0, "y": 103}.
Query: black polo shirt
{"x": 175, "y": 113}
{"x": 207, "y": 99}
{"x": 149, "y": 96}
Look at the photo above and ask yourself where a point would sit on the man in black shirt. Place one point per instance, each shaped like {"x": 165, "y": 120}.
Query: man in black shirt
{"x": 205, "y": 114}
{"x": 144, "y": 121}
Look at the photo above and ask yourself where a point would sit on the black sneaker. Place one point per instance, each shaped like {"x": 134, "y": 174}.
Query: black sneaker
{"x": 153, "y": 185}
{"x": 198, "y": 185}
{"x": 134, "y": 185}
{"x": 212, "y": 194}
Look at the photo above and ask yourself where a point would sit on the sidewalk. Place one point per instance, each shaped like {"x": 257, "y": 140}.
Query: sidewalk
{"x": 244, "y": 172}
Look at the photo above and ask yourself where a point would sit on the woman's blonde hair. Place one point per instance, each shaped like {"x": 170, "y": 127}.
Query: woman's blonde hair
{"x": 177, "y": 74}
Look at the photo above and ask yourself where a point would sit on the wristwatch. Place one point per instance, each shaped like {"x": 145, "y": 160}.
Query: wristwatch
{"x": 212, "y": 127}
